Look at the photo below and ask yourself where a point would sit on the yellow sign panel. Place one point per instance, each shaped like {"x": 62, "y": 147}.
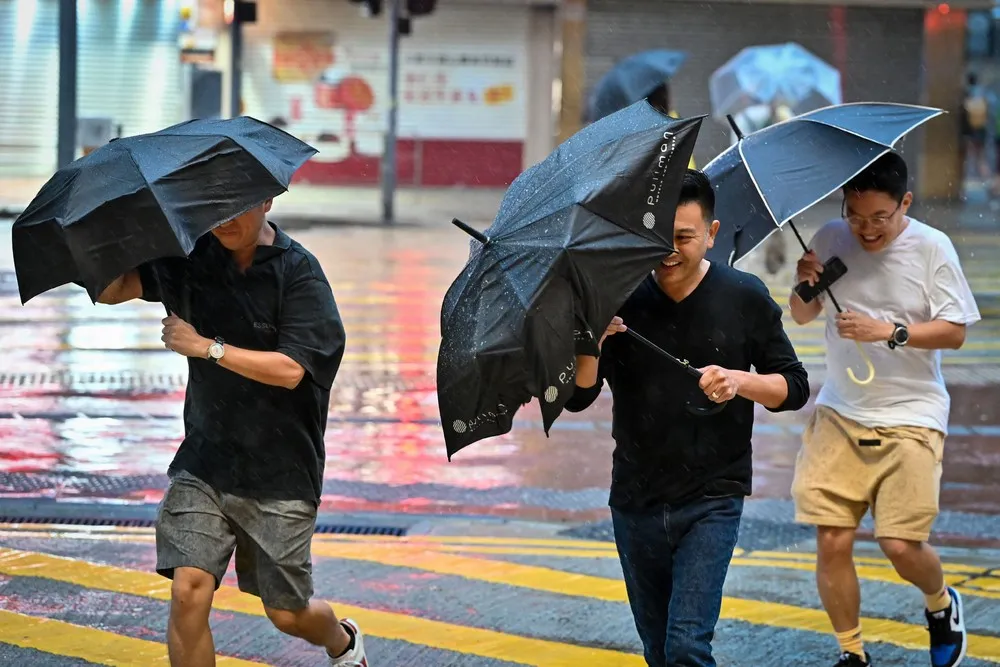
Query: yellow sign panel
{"x": 503, "y": 94}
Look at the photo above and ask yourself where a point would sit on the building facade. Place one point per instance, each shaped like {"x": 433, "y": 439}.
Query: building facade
{"x": 128, "y": 72}
{"x": 475, "y": 90}
{"x": 886, "y": 50}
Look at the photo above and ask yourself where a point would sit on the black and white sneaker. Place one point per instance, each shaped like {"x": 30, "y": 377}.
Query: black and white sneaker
{"x": 848, "y": 659}
{"x": 949, "y": 640}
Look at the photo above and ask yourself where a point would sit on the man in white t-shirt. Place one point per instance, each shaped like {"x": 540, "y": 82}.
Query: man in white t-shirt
{"x": 879, "y": 445}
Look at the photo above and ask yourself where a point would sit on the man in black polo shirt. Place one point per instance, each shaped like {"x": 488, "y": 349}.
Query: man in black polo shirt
{"x": 255, "y": 316}
{"x": 678, "y": 479}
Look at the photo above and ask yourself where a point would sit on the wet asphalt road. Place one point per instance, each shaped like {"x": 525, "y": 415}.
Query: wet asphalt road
{"x": 90, "y": 416}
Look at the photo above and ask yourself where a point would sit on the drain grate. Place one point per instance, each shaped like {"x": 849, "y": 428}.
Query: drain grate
{"x": 123, "y": 381}
{"x": 321, "y": 528}
{"x": 77, "y": 521}
{"x": 342, "y": 529}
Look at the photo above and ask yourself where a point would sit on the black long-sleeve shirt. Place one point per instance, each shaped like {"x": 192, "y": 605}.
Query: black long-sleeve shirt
{"x": 664, "y": 454}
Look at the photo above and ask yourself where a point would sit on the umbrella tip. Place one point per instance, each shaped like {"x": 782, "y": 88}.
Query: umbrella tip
{"x": 732, "y": 124}
{"x": 474, "y": 233}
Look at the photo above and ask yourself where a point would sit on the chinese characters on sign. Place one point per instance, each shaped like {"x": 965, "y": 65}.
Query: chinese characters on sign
{"x": 437, "y": 79}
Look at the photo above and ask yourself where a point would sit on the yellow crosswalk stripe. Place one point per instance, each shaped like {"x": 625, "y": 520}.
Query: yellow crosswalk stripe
{"x": 91, "y": 644}
{"x": 388, "y": 625}
{"x": 581, "y": 585}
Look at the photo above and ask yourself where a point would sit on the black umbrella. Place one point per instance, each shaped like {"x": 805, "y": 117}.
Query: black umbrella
{"x": 767, "y": 178}
{"x": 146, "y": 197}
{"x": 633, "y": 79}
{"x": 574, "y": 236}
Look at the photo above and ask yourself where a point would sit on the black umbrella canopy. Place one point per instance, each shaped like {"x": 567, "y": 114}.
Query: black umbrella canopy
{"x": 573, "y": 238}
{"x": 146, "y": 197}
{"x": 769, "y": 177}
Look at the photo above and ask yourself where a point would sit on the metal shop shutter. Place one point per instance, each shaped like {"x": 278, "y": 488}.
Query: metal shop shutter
{"x": 453, "y": 31}
{"x": 29, "y": 78}
{"x": 453, "y": 62}
{"x": 129, "y": 63}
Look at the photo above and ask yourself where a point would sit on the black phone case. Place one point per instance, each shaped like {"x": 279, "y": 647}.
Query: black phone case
{"x": 833, "y": 270}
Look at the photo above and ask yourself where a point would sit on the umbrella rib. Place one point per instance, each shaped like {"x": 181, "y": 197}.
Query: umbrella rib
{"x": 819, "y": 121}
{"x": 806, "y": 116}
{"x": 145, "y": 180}
{"x": 753, "y": 179}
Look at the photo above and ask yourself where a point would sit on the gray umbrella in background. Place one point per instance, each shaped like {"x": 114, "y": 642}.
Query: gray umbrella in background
{"x": 631, "y": 80}
{"x": 774, "y": 74}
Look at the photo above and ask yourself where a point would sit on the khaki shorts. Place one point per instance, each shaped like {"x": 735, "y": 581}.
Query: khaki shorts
{"x": 845, "y": 468}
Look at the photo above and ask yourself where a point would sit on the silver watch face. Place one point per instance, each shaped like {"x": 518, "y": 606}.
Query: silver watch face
{"x": 216, "y": 350}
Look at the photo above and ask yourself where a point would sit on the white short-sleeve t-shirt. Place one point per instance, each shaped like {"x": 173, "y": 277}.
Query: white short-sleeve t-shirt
{"x": 917, "y": 278}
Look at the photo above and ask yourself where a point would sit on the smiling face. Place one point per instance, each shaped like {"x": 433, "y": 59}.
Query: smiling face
{"x": 694, "y": 234}
{"x": 876, "y": 218}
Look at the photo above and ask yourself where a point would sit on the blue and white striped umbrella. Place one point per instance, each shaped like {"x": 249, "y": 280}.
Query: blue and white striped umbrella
{"x": 774, "y": 74}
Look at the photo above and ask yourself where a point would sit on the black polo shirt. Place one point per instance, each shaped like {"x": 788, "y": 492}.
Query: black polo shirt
{"x": 241, "y": 436}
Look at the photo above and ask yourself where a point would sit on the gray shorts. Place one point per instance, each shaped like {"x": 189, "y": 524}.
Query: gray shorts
{"x": 200, "y": 527}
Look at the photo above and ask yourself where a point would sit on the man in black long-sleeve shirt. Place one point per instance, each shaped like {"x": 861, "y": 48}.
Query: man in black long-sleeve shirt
{"x": 679, "y": 479}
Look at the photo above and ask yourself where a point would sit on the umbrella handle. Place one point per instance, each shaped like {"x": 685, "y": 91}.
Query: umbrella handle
{"x": 868, "y": 363}
{"x": 684, "y": 364}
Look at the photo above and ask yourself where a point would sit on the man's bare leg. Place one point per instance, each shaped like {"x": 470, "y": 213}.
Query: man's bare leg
{"x": 189, "y": 636}
{"x": 917, "y": 562}
{"x": 836, "y": 578}
{"x": 317, "y": 624}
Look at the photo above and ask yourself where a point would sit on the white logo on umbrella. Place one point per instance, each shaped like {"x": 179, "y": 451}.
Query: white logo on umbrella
{"x": 551, "y": 394}
{"x": 459, "y": 426}
{"x": 649, "y": 220}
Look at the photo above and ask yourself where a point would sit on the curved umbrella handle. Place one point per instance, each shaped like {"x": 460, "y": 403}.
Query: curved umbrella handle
{"x": 868, "y": 363}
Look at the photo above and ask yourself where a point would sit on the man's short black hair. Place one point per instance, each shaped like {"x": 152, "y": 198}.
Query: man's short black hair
{"x": 697, "y": 188}
{"x": 887, "y": 174}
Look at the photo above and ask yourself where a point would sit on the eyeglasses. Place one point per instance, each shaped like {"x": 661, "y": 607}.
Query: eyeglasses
{"x": 875, "y": 221}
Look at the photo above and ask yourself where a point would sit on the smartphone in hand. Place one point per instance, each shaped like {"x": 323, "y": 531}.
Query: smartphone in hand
{"x": 833, "y": 270}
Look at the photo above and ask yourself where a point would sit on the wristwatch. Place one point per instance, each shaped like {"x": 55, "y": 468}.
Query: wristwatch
{"x": 217, "y": 350}
{"x": 900, "y": 336}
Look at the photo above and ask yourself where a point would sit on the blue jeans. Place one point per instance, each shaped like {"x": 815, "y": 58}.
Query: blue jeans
{"x": 675, "y": 560}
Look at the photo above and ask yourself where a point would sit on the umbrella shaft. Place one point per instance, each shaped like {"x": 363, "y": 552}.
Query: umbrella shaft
{"x": 805, "y": 248}
{"x": 474, "y": 233}
{"x": 693, "y": 372}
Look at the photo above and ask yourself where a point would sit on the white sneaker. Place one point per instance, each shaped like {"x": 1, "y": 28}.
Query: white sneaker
{"x": 356, "y": 656}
